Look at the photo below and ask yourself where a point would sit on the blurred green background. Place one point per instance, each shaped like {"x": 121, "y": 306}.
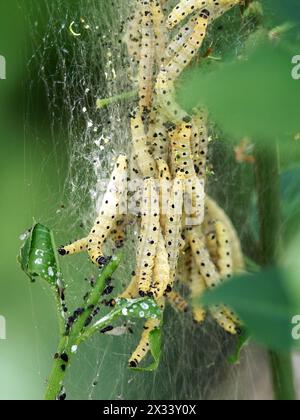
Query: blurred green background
{"x": 32, "y": 177}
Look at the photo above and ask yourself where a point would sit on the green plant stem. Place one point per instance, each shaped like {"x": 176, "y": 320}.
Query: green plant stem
{"x": 102, "y": 103}
{"x": 71, "y": 340}
{"x": 269, "y": 208}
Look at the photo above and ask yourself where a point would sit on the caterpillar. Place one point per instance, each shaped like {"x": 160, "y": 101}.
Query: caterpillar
{"x": 75, "y": 248}
{"x": 133, "y": 36}
{"x": 214, "y": 213}
{"x": 165, "y": 92}
{"x": 181, "y": 152}
{"x": 164, "y": 190}
{"x": 223, "y": 320}
{"x": 131, "y": 291}
{"x": 203, "y": 260}
{"x": 160, "y": 30}
{"x": 165, "y": 81}
{"x": 224, "y": 261}
{"x": 143, "y": 347}
{"x": 141, "y": 154}
{"x": 209, "y": 8}
{"x": 158, "y": 136}
{"x": 146, "y": 64}
{"x": 178, "y": 302}
{"x": 212, "y": 245}
{"x": 109, "y": 212}
{"x": 149, "y": 236}
{"x": 161, "y": 273}
{"x": 198, "y": 287}
{"x": 182, "y": 162}
{"x": 188, "y": 51}
{"x": 174, "y": 226}
{"x": 181, "y": 38}
{"x": 199, "y": 144}
{"x": 209, "y": 273}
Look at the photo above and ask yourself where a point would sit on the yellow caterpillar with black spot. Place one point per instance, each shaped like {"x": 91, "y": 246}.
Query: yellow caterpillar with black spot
{"x": 143, "y": 161}
{"x": 143, "y": 347}
{"x": 146, "y": 64}
{"x": 161, "y": 272}
{"x": 213, "y": 213}
{"x": 199, "y": 143}
{"x": 174, "y": 226}
{"x": 208, "y": 271}
{"x": 149, "y": 236}
{"x": 212, "y": 9}
{"x": 160, "y": 30}
{"x": 111, "y": 209}
{"x": 182, "y": 162}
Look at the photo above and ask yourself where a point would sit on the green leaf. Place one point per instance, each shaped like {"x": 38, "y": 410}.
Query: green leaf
{"x": 142, "y": 308}
{"x": 155, "y": 349}
{"x": 266, "y": 302}
{"x": 255, "y": 96}
{"x": 38, "y": 257}
{"x": 243, "y": 341}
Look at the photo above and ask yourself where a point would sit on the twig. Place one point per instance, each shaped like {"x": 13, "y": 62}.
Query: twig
{"x": 268, "y": 189}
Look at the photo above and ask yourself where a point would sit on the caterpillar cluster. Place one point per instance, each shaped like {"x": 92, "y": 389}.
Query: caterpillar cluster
{"x": 177, "y": 222}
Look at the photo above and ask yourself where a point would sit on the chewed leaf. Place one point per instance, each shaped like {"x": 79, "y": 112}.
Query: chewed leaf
{"x": 38, "y": 256}
{"x": 144, "y": 308}
{"x": 155, "y": 340}
{"x": 241, "y": 344}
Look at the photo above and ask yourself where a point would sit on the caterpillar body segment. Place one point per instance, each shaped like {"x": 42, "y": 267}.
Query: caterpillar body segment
{"x": 184, "y": 267}
{"x": 203, "y": 261}
{"x": 149, "y": 237}
{"x": 211, "y": 9}
{"x": 178, "y": 302}
{"x": 212, "y": 245}
{"x": 208, "y": 270}
{"x": 188, "y": 51}
{"x": 158, "y": 137}
{"x": 111, "y": 208}
{"x": 166, "y": 99}
{"x": 197, "y": 287}
{"x": 174, "y": 226}
{"x": 182, "y": 162}
{"x": 161, "y": 273}
{"x": 213, "y": 213}
{"x": 131, "y": 292}
{"x": 146, "y": 64}
{"x": 199, "y": 144}
{"x": 181, "y": 153}
{"x": 180, "y": 39}
{"x": 75, "y": 248}
{"x": 224, "y": 321}
{"x": 143, "y": 347}
{"x": 133, "y": 36}
{"x": 141, "y": 154}
{"x": 164, "y": 190}
{"x": 160, "y": 30}
{"x": 224, "y": 262}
